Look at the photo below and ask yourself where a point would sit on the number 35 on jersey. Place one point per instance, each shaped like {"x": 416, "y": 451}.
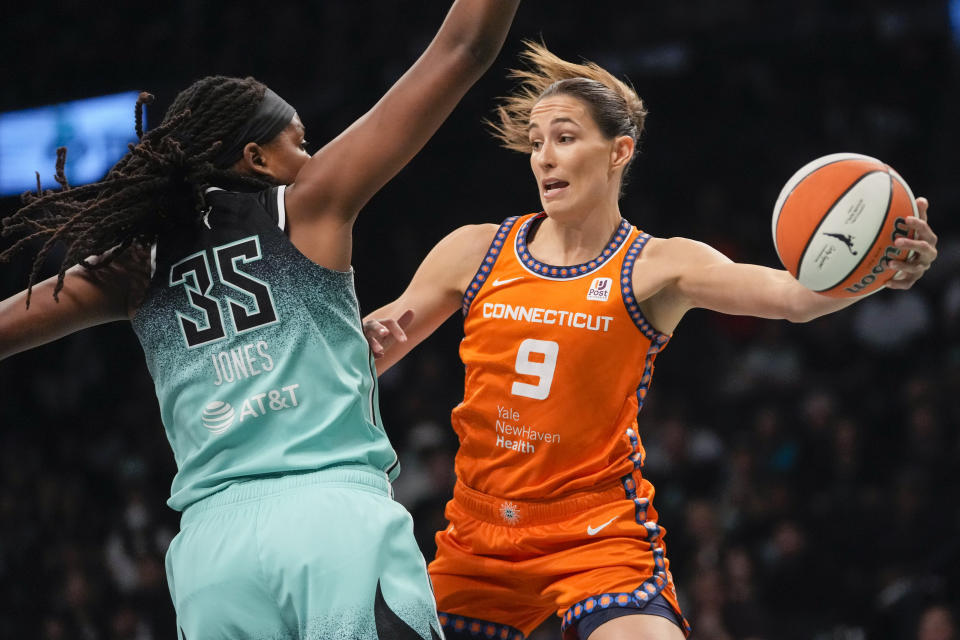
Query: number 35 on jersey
{"x": 251, "y": 307}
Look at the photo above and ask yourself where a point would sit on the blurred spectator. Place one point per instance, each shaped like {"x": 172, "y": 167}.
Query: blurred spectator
{"x": 937, "y": 623}
{"x": 890, "y": 321}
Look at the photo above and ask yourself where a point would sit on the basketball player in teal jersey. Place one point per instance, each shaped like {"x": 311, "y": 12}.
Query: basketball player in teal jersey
{"x": 229, "y": 248}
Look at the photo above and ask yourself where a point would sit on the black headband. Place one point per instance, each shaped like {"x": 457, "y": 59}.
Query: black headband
{"x": 272, "y": 116}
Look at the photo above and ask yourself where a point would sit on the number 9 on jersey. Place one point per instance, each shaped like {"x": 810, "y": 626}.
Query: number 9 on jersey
{"x": 543, "y": 370}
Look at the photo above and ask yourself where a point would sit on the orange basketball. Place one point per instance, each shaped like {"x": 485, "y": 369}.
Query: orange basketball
{"x": 835, "y": 222}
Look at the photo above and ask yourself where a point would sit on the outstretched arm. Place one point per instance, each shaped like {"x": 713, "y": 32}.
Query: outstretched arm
{"x": 88, "y": 298}
{"x": 340, "y": 178}
{"x": 434, "y": 293}
{"x": 696, "y": 275}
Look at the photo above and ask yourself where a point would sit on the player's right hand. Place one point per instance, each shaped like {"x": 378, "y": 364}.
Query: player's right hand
{"x": 383, "y": 334}
{"x": 921, "y": 244}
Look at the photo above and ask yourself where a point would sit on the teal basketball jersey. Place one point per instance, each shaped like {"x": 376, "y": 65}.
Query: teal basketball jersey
{"x": 257, "y": 354}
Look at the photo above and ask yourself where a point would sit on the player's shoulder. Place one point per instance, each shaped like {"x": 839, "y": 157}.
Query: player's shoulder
{"x": 482, "y": 235}
{"x": 470, "y": 238}
{"x": 664, "y": 259}
{"x": 676, "y": 248}
{"x": 657, "y": 245}
{"x": 456, "y": 258}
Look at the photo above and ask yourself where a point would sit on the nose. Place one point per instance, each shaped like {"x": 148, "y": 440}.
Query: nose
{"x": 546, "y": 157}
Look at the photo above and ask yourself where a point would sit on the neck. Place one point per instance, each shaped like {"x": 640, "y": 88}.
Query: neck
{"x": 568, "y": 240}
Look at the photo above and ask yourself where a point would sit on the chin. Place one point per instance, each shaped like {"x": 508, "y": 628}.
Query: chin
{"x": 558, "y": 209}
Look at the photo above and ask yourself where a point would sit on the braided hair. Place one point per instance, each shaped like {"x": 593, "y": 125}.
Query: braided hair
{"x": 158, "y": 185}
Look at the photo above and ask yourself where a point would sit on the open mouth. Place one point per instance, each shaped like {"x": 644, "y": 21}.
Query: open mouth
{"x": 552, "y": 186}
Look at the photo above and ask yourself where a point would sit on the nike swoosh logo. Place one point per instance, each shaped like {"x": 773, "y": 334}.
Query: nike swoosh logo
{"x": 499, "y": 282}
{"x": 594, "y": 531}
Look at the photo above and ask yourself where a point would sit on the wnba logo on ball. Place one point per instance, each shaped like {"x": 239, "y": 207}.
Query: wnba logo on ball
{"x": 217, "y": 417}
{"x": 599, "y": 289}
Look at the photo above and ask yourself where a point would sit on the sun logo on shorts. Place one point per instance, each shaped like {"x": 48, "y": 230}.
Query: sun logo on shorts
{"x": 509, "y": 513}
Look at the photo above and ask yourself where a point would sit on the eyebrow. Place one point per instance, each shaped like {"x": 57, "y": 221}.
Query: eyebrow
{"x": 554, "y": 121}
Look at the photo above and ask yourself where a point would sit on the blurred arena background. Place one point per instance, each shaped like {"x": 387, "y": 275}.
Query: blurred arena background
{"x": 807, "y": 474}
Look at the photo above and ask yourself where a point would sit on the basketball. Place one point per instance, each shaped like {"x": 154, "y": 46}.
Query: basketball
{"x": 835, "y": 222}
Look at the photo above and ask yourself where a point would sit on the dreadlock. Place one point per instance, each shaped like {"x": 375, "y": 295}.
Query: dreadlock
{"x": 156, "y": 186}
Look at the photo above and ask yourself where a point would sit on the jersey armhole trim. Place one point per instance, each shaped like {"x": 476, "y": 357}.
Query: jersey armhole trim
{"x": 153, "y": 260}
{"x": 281, "y": 208}
{"x": 487, "y": 263}
{"x": 630, "y": 301}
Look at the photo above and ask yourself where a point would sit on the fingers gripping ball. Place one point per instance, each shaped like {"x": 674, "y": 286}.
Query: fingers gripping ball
{"x": 835, "y": 222}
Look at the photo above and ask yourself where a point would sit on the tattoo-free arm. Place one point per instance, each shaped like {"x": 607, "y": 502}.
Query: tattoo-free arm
{"x": 691, "y": 274}
{"x": 88, "y": 298}
{"x": 434, "y": 293}
{"x": 339, "y": 179}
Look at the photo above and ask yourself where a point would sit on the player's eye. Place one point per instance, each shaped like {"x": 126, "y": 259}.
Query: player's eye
{"x": 535, "y": 145}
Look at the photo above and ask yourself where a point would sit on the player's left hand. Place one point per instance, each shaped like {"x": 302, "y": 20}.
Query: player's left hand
{"x": 382, "y": 334}
{"x": 922, "y": 241}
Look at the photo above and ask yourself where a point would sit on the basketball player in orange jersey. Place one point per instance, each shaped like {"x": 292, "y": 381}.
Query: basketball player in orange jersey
{"x": 565, "y": 312}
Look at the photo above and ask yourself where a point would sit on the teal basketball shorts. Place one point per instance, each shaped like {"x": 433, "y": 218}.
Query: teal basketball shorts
{"x": 321, "y": 555}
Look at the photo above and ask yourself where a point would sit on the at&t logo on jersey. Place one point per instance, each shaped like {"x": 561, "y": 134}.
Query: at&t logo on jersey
{"x": 218, "y": 416}
{"x": 600, "y": 289}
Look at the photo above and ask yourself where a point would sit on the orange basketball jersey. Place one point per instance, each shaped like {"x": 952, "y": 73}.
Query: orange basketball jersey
{"x": 558, "y": 361}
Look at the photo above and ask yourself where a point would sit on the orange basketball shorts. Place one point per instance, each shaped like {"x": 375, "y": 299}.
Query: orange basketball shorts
{"x": 504, "y": 566}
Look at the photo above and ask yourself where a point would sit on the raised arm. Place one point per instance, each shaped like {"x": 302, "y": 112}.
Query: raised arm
{"x": 340, "y": 178}
{"x": 688, "y": 274}
{"x": 434, "y": 293}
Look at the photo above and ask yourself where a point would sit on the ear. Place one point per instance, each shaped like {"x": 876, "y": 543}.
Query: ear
{"x": 253, "y": 162}
{"x": 622, "y": 152}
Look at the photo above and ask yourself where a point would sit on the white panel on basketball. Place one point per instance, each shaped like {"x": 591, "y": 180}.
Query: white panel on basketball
{"x": 846, "y": 233}
{"x": 915, "y": 214}
{"x": 906, "y": 187}
{"x": 802, "y": 173}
